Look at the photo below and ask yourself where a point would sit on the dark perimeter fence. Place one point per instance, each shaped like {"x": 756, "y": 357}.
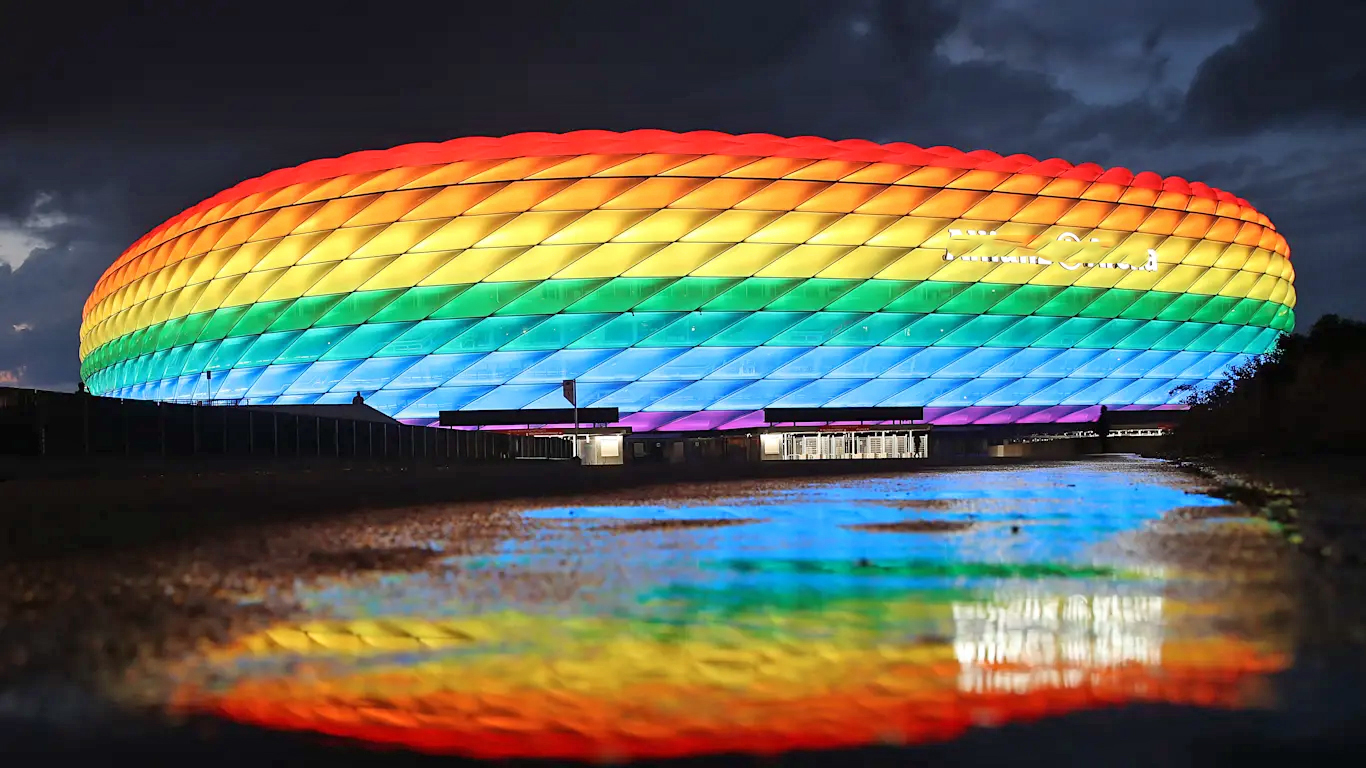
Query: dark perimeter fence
{"x": 57, "y": 424}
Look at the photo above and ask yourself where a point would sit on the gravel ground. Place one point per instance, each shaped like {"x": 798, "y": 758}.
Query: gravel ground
{"x": 1324, "y": 511}
{"x": 55, "y": 510}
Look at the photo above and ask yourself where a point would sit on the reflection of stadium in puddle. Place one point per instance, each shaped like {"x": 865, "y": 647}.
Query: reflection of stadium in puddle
{"x": 753, "y": 678}
{"x": 794, "y": 632}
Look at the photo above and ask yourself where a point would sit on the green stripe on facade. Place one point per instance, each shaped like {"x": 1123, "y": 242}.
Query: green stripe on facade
{"x": 874, "y": 305}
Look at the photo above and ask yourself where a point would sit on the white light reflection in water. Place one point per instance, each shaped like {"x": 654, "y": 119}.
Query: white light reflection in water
{"x": 1017, "y": 644}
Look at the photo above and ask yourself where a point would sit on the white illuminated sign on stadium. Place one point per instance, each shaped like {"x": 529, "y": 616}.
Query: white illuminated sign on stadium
{"x": 1067, "y": 237}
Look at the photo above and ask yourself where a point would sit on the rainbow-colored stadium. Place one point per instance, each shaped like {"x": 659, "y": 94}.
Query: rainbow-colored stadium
{"x": 691, "y": 280}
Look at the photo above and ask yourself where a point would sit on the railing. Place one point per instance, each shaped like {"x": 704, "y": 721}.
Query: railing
{"x": 1081, "y": 434}
{"x": 53, "y": 424}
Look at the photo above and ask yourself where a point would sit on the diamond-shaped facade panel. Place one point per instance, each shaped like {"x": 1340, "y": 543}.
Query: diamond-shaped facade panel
{"x": 691, "y": 280}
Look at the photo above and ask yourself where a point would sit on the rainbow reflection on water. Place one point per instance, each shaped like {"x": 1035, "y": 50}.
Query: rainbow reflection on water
{"x": 796, "y": 630}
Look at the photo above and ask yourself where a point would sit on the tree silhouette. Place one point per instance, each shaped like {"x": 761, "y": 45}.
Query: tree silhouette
{"x": 1307, "y": 396}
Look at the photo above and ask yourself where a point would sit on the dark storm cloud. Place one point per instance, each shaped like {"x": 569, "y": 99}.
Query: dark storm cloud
{"x": 1303, "y": 61}
{"x": 36, "y": 331}
{"x": 117, "y": 116}
{"x": 863, "y": 73}
{"x": 37, "y": 322}
{"x": 1102, "y": 52}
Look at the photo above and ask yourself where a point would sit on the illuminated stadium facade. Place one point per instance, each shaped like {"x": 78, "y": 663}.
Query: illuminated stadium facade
{"x": 692, "y": 280}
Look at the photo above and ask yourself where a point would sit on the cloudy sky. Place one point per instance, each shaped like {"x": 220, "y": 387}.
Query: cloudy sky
{"x": 117, "y": 118}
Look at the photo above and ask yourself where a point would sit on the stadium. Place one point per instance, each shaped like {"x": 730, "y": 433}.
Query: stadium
{"x": 692, "y": 281}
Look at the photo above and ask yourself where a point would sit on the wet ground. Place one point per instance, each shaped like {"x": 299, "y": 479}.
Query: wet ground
{"x": 1077, "y": 613}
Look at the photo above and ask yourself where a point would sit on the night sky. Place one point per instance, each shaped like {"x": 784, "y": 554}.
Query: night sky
{"x": 118, "y": 115}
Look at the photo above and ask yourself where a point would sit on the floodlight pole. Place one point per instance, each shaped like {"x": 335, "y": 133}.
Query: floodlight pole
{"x": 570, "y": 389}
